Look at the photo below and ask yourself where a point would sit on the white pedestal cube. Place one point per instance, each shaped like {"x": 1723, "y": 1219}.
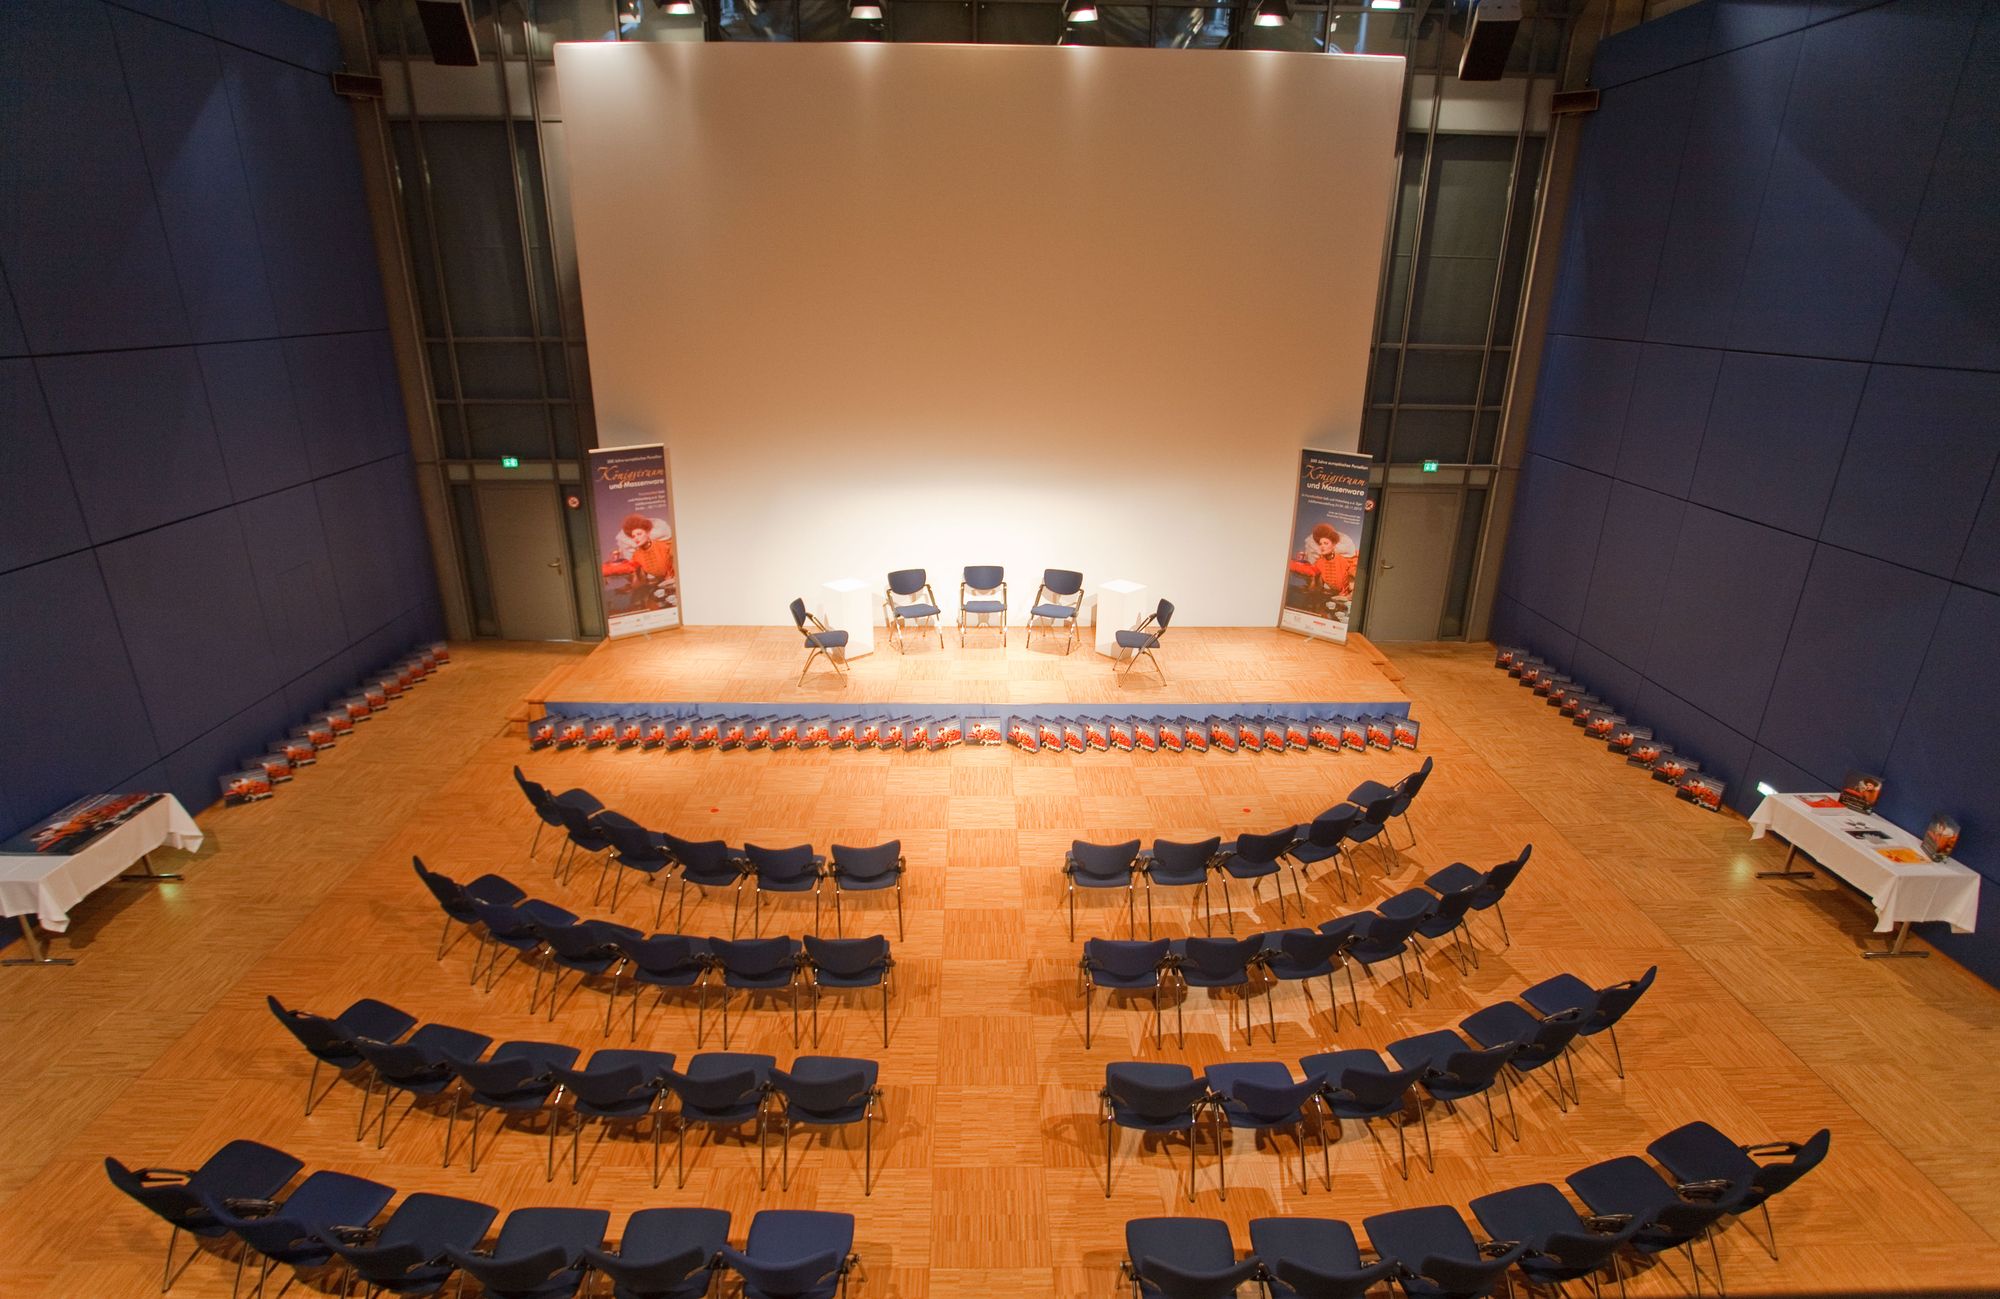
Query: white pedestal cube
{"x": 1120, "y": 603}
{"x": 848, "y": 604}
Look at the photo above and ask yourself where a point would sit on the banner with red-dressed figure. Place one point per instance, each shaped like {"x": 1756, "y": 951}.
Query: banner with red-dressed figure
{"x": 1327, "y": 527}
{"x": 632, "y": 501}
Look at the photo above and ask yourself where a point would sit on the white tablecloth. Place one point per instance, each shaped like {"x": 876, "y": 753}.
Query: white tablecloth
{"x": 1902, "y": 891}
{"x": 47, "y": 885}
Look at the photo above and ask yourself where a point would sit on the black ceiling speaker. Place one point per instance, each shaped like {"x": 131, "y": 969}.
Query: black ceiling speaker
{"x": 1488, "y": 38}
{"x": 448, "y": 28}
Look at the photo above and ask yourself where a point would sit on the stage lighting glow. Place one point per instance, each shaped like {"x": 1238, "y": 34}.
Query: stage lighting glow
{"x": 1273, "y": 13}
{"x": 679, "y": 8}
{"x": 1080, "y": 11}
{"x": 1765, "y": 789}
{"x": 865, "y": 11}
{"x": 1385, "y": 4}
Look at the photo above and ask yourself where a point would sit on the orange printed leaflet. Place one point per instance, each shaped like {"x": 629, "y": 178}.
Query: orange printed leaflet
{"x": 1909, "y": 856}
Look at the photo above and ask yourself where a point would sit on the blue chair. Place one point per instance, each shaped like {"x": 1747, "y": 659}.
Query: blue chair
{"x": 421, "y": 1068}
{"x": 849, "y": 964}
{"x": 1438, "y": 1256}
{"x": 1538, "y": 1040}
{"x": 591, "y": 950}
{"x": 1156, "y": 1099}
{"x": 720, "y": 1090}
{"x": 1373, "y": 825}
{"x": 1122, "y": 967}
{"x": 581, "y": 835}
{"x": 1183, "y": 1258}
{"x": 1629, "y": 1190}
{"x": 1145, "y": 638}
{"x": 1260, "y": 1096}
{"x": 868, "y": 870}
{"x": 707, "y": 864}
{"x": 827, "y": 1091}
{"x": 331, "y": 1041}
{"x": 541, "y": 1254}
{"x": 782, "y": 870}
{"x": 1377, "y": 938}
{"x": 1489, "y": 887}
{"x": 241, "y": 1170}
{"x": 1299, "y": 955}
{"x": 982, "y": 594}
{"x": 1257, "y": 857}
{"x": 756, "y": 965}
{"x": 1058, "y": 604}
{"x": 1103, "y": 866}
{"x": 1358, "y": 1084}
{"x": 901, "y": 607}
{"x": 635, "y": 848}
{"x": 619, "y": 1086}
{"x": 1181, "y": 865}
{"x": 1215, "y": 963}
{"x": 1401, "y": 794}
{"x": 518, "y": 1078}
{"x": 456, "y": 901}
{"x": 1697, "y": 1154}
{"x": 1452, "y": 1072}
{"x": 1324, "y": 839}
{"x": 1603, "y": 1007}
{"x": 1561, "y": 1246}
{"x": 821, "y": 641}
{"x": 667, "y": 962}
{"x": 290, "y": 1232}
{"x": 665, "y": 1254}
{"x": 405, "y": 1256}
{"x": 1314, "y": 1258}
{"x": 546, "y": 805}
{"x": 1439, "y": 916}
{"x": 519, "y": 929}
{"x": 795, "y": 1254}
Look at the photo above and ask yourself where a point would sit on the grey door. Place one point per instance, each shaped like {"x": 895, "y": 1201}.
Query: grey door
{"x": 1412, "y": 562}
{"x": 524, "y": 554}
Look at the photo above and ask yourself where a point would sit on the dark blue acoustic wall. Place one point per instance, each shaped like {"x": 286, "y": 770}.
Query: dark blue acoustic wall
{"x": 208, "y": 521}
{"x": 1759, "y": 508}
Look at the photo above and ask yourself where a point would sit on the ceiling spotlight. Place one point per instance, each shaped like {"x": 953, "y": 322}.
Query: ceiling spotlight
{"x": 678, "y": 8}
{"x": 865, "y": 11}
{"x": 1385, "y": 4}
{"x": 1273, "y": 13}
{"x": 1080, "y": 11}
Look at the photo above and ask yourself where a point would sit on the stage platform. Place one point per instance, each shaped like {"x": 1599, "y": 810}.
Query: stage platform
{"x": 760, "y": 665}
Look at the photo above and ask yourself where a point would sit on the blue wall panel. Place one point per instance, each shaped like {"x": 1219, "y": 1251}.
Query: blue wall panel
{"x": 12, "y": 341}
{"x": 1832, "y": 595}
{"x": 295, "y": 578}
{"x": 192, "y": 769}
{"x": 343, "y": 408}
{"x": 256, "y": 418}
{"x": 280, "y": 31}
{"x": 39, "y": 518}
{"x": 191, "y": 14}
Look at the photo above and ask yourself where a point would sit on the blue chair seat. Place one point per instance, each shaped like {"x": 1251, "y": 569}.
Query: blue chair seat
{"x": 917, "y": 610}
{"x": 1563, "y": 992}
{"x": 1327, "y": 1066}
{"x": 1367, "y": 792}
{"x": 1137, "y": 639}
{"x": 812, "y": 1069}
{"x": 1223, "y": 1078}
{"x": 827, "y": 639}
{"x": 1453, "y": 878}
{"x": 984, "y": 606}
{"x": 781, "y": 1236}
{"x": 1054, "y": 611}
{"x": 1506, "y": 1021}
{"x": 1426, "y": 1050}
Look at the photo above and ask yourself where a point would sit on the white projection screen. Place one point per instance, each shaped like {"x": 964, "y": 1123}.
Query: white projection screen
{"x": 924, "y": 306}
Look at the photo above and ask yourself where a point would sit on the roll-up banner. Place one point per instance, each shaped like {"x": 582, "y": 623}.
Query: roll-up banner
{"x": 1327, "y": 525}
{"x": 632, "y": 498}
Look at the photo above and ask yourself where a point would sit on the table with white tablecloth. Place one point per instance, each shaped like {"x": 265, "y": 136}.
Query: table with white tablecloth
{"x": 47, "y": 884}
{"x": 1853, "y": 845}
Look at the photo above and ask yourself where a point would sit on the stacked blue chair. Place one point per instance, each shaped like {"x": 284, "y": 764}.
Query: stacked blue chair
{"x": 241, "y": 1170}
{"x": 333, "y": 1041}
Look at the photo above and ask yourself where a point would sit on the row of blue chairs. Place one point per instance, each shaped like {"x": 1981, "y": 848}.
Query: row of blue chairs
{"x": 520, "y": 1079}
{"x": 332, "y": 1223}
{"x": 590, "y": 829}
{"x": 1702, "y": 1178}
{"x": 542, "y": 934}
{"x": 1362, "y": 818}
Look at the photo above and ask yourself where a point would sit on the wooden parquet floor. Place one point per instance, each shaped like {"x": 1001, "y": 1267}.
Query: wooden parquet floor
{"x": 157, "y": 1046}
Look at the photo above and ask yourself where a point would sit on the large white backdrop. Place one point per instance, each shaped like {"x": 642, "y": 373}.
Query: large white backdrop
{"x": 900, "y": 306}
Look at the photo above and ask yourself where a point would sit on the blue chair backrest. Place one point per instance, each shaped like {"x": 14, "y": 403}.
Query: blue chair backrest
{"x": 505, "y": 922}
{"x": 1184, "y": 858}
{"x": 1309, "y": 948}
{"x": 1156, "y": 1102}
{"x": 659, "y": 1277}
{"x": 663, "y": 953}
{"x": 1462, "y": 1277}
{"x": 446, "y": 890}
{"x": 1453, "y": 906}
{"x": 1413, "y": 783}
{"x": 1163, "y": 615}
{"x": 173, "y": 1201}
{"x": 712, "y": 1095}
{"x": 1309, "y": 1283}
{"x": 752, "y": 957}
{"x": 1062, "y": 581}
{"x": 867, "y": 863}
{"x": 907, "y": 581}
{"x": 779, "y": 1280}
{"x": 799, "y": 613}
{"x": 606, "y": 1087}
{"x": 1477, "y": 1069}
{"x": 1502, "y": 877}
{"x": 400, "y": 1062}
{"x": 1104, "y": 860}
{"x": 316, "y": 1033}
{"x": 1373, "y": 1087}
{"x": 530, "y": 1273}
{"x": 1221, "y": 957}
{"x": 1332, "y": 825}
{"x": 1556, "y": 1032}
{"x": 1613, "y": 1002}
{"x": 1391, "y": 931}
{"x": 579, "y": 942}
{"x": 780, "y": 865}
{"x": 702, "y": 859}
{"x": 1265, "y": 848}
{"x": 821, "y": 1095}
{"x": 1774, "y": 1177}
{"x": 984, "y": 577}
{"x": 1124, "y": 959}
{"x": 537, "y": 793}
{"x": 1176, "y": 1283}
{"x": 848, "y": 958}
{"x": 505, "y": 1079}
{"x": 629, "y": 837}
{"x": 1272, "y": 1104}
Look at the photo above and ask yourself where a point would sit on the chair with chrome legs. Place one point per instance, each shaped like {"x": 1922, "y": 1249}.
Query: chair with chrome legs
{"x": 667, "y": 962}
{"x": 1260, "y": 1096}
{"x": 1299, "y": 955}
{"x": 1373, "y": 826}
{"x": 521, "y": 930}
{"x": 518, "y": 1078}
{"x": 241, "y": 1170}
{"x": 666, "y": 1254}
{"x": 1257, "y": 857}
{"x": 332, "y": 1041}
{"x": 1403, "y": 793}
{"x": 1489, "y": 887}
{"x": 1438, "y": 916}
{"x": 1158, "y": 1100}
{"x": 707, "y": 864}
{"x": 1377, "y": 938}
{"x": 754, "y": 965}
{"x": 1696, "y": 1154}
{"x": 1538, "y": 1040}
{"x": 1325, "y": 839}
{"x": 291, "y": 1231}
{"x": 1058, "y": 604}
{"x": 720, "y": 1090}
{"x": 619, "y": 1086}
{"x": 1216, "y": 963}
{"x": 782, "y": 870}
{"x": 1184, "y": 1258}
{"x": 827, "y": 1091}
{"x": 421, "y": 1068}
{"x": 1145, "y": 638}
{"x": 795, "y": 1254}
{"x": 1181, "y": 865}
{"x": 406, "y": 1254}
{"x": 546, "y": 805}
{"x": 456, "y": 901}
{"x": 1103, "y": 866}
{"x": 1453, "y": 1072}
{"x": 581, "y": 834}
{"x": 901, "y": 608}
{"x": 1629, "y": 1190}
{"x": 822, "y": 641}
{"x": 867, "y": 870}
{"x": 1315, "y": 1258}
{"x": 849, "y": 965}
{"x": 1359, "y": 1084}
{"x": 1562, "y": 1247}
{"x": 540, "y": 1254}
{"x": 1438, "y": 1254}
{"x": 590, "y": 949}
{"x": 634, "y": 848}
{"x": 1604, "y": 1007}
{"x": 1122, "y": 967}
{"x": 982, "y": 594}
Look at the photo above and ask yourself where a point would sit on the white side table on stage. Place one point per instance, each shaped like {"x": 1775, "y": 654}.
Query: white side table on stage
{"x": 1118, "y": 607}
{"x": 848, "y": 604}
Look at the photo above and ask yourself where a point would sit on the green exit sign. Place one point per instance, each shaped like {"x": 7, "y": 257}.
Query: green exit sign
{"x": 1430, "y": 466}
{"x": 514, "y": 462}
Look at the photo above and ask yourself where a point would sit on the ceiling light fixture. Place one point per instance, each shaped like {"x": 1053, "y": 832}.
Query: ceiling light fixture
{"x": 865, "y": 11}
{"x": 1080, "y": 11}
{"x": 1273, "y": 13}
{"x": 678, "y": 8}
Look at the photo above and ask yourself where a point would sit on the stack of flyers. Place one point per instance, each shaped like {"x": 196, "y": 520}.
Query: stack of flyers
{"x": 1353, "y": 733}
{"x": 338, "y": 719}
{"x": 680, "y": 733}
{"x": 1601, "y": 722}
{"x": 1647, "y": 751}
{"x": 870, "y": 734}
{"x": 1146, "y": 736}
{"x": 375, "y": 696}
{"x": 1381, "y": 732}
{"x": 355, "y": 706}
{"x": 1173, "y": 735}
{"x": 300, "y": 752}
{"x": 318, "y": 732}
{"x": 277, "y": 768}
{"x": 757, "y": 733}
{"x": 1272, "y": 731}
{"x": 1049, "y": 732}
{"x": 1559, "y": 692}
{"x": 729, "y": 732}
{"x": 1024, "y": 735}
{"x": 892, "y": 733}
{"x": 1298, "y": 733}
{"x": 1195, "y": 735}
{"x": 817, "y": 733}
{"x": 1579, "y": 704}
{"x": 785, "y": 733}
{"x": 391, "y": 686}
{"x": 603, "y": 732}
{"x": 438, "y": 652}
{"x": 1073, "y": 737}
{"x": 1122, "y": 738}
{"x": 983, "y": 730}
{"x": 707, "y": 733}
{"x": 1222, "y": 734}
{"x": 1672, "y": 766}
{"x": 631, "y": 731}
{"x": 245, "y": 786}
{"x": 1325, "y": 733}
{"x": 1095, "y": 734}
{"x": 1505, "y": 656}
{"x": 1249, "y": 734}
{"x": 1532, "y": 672}
{"x": 916, "y": 733}
{"x": 654, "y": 733}
{"x": 1549, "y": 681}
{"x": 1622, "y": 738}
{"x": 1405, "y": 731}
{"x": 947, "y": 731}
{"x": 841, "y": 734}
{"x": 1702, "y": 791}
